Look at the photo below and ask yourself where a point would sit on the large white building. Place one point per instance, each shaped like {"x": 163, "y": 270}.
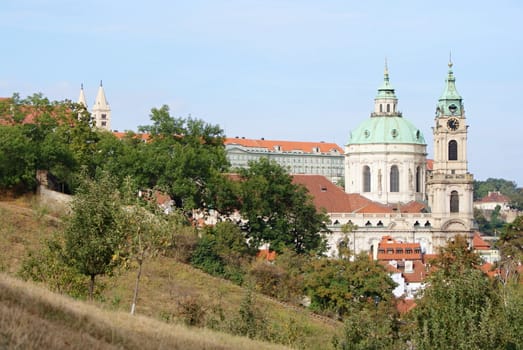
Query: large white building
{"x": 318, "y": 158}
{"x": 388, "y": 190}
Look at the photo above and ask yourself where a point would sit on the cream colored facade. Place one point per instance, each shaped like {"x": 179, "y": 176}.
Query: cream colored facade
{"x": 386, "y": 141}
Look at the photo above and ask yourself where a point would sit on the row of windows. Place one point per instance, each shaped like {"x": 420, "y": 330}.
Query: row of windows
{"x": 394, "y": 179}
{"x": 400, "y": 251}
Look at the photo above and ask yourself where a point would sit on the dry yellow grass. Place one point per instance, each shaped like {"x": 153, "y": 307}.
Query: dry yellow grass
{"x": 165, "y": 284}
{"x": 34, "y": 318}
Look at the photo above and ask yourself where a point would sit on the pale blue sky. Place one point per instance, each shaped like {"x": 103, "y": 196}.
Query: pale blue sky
{"x": 298, "y": 70}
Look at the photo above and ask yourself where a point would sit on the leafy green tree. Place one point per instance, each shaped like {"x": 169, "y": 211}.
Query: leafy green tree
{"x": 92, "y": 235}
{"x": 511, "y": 249}
{"x": 17, "y": 159}
{"x": 456, "y": 303}
{"x": 339, "y": 285}
{"x": 278, "y": 211}
{"x": 183, "y": 157}
{"x": 372, "y": 327}
{"x": 223, "y": 251}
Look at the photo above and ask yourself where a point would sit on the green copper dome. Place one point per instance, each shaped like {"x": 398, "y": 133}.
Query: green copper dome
{"x": 386, "y": 129}
{"x": 386, "y": 125}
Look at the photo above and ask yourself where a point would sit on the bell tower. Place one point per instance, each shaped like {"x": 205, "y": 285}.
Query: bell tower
{"x": 450, "y": 185}
{"x": 101, "y": 112}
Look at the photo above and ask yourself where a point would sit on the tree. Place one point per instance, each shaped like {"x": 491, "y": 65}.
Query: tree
{"x": 456, "y": 303}
{"x": 339, "y": 285}
{"x": 279, "y": 212}
{"x": 223, "y": 251}
{"x": 92, "y": 234}
{"x": 511, "y": 249}
{"x": 182, "y": 157}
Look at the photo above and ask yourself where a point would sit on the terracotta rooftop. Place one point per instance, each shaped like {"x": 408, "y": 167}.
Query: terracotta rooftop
{"x": 389, "y": 249}
{"x": 333, "y": 198}
{"x": 479, "y": 243}
{"x": 285, "y": 146}
{"x": 494, "y": 197}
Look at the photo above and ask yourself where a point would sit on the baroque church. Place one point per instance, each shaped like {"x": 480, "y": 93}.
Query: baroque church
{"x": 391, "y": 188}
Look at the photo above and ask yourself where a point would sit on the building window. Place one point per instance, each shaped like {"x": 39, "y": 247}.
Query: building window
{"x": 104, "y": 124}
{"x": 381, "y": 108}
{"x": 104, "y": 116}
{"x": 418, "y": 179}
{"x": 454, "y": 202}
{"x": 388, "y": 108}
{"x": 394, "y": 179}
{"x": 366, "y": 179}
{"x": 453, "y": 150}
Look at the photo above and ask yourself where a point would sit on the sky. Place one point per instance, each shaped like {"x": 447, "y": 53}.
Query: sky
{"x": 300, "y": 70}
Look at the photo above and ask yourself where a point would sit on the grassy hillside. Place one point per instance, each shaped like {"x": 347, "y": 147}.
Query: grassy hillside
{"x": 33, "y": 318}
{"x": 168, "y": 291}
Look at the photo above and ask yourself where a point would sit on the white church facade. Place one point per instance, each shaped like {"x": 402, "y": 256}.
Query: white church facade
{"x": 388, "y": 190}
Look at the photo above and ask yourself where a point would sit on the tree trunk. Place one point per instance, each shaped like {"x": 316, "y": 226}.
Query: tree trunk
{"x": 137, "y": 282}
{"x": 91, "y": 287}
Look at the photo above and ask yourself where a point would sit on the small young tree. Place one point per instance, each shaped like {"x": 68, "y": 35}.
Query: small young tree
{"x": 147, "y": 235}
{"x": 92, "y": 234}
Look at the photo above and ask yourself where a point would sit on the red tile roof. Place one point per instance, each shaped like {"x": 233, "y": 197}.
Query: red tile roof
{"x": 285, "y": 146}
{"x": 389, "y": 249}
{"x": 494, "y": 197}
{"x": 430, "y": 164}
{"x": 333, "y": 199}
{"x": 479, "y": 243}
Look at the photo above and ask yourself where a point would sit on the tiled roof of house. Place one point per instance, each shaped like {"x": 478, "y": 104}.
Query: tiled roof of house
{"x": 418, "y": 274}
{"x": 479, "y": 243}
{"x": 285, "y": 146}
{"x": 494, "y": 197}
{"x": 389, "y": 249}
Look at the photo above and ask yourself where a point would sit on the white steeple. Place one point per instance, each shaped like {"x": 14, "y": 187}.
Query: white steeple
{"x": 101, "y": 111}
{"x": 81, "y": 98}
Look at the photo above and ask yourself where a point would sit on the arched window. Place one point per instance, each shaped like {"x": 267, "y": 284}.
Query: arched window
{"x": 366, "y": 179}
{"x": 418, "y": 179}
{"x": 394, "y": 179}
{"x": 454, "y": 202}
{"x": 453, "y": 150}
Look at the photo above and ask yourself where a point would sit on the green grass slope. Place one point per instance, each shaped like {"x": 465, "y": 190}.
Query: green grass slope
{"x": 166, "y": 289}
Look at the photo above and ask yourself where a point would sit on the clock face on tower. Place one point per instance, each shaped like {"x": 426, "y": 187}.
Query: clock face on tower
{"x": 453, "y": 124}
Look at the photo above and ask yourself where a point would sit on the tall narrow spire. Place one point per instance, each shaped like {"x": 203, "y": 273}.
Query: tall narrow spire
{"x": 101, "y": 101}
{"x": 81, "y": 98}
{"x": 101, "y": 112}
{"x": 450, "y": 102}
